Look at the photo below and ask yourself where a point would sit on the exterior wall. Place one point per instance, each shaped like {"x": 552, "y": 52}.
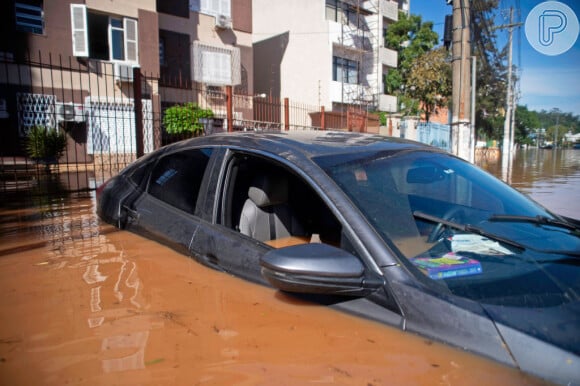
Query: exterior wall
{"x": 148, "y": 42}
{"x": 56, "y": 41}
{"x": 57, "y": 30}
{"x": 129, "y": 8}
{"x": 63, "y": 78}
{"x": 441, "y": 116}
{"x": 201, "y": 27}
{"x": 242, "y": 15}
{"x": 293, "y": 54}
{"x": 294, "y": 45}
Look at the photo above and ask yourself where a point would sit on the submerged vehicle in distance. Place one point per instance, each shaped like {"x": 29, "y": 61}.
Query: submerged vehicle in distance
{"x": 387, "y": 229}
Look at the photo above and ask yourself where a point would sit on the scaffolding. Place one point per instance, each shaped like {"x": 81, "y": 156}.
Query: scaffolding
{"x": 362, "y": 39}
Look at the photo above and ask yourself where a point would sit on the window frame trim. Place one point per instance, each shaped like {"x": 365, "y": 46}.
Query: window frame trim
{"x": 79, "y": 12}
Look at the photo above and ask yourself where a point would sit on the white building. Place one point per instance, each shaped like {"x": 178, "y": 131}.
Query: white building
{"x": 327, "y": 53}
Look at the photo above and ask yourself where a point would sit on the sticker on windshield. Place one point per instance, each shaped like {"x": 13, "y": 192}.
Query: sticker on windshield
{"x": 552, "y": 28}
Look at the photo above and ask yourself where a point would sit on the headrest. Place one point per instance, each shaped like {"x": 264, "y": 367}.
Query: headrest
{"x": 268, "y": 190}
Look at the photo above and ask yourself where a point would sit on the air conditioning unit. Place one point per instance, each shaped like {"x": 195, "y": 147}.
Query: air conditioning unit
{"x": 123, "y": 72}
{"x": 223, "y": 22}
{"x": 70, "y": 112}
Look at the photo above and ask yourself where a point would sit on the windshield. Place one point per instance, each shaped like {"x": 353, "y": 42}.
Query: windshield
{"x": 461, "y": 228}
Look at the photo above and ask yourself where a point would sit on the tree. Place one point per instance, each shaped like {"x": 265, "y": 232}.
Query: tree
{"x": 411, "y": 38}
{"x": 556, "y": 117}
{"x": 526, "y": 123}
{"x": 430, "y": 80}
{"x": 491, "y": 70}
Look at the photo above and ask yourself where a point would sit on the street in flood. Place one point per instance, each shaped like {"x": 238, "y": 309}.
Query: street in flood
{"x": 84, "y": 303}
{"x": 549, "y": 176}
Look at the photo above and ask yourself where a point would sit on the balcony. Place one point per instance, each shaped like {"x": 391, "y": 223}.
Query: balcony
{"x": 350, "y": 93}
{"x": 389, "y": 9}
{"x": 388, "y": 103}
{"x": 388, "y": 57}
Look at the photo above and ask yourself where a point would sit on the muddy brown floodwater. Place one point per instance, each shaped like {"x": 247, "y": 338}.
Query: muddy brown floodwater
{"x": 83, "y": 303}
{"x": 549, "y": 176}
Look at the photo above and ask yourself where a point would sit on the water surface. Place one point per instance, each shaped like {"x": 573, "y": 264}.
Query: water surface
{"x": 83, "y": 303}
{"x": 550, "y": 177}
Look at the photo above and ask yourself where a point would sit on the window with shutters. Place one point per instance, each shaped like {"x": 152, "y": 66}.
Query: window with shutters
{"x": 211, "y": 7}
{"x": 105, "y": 37}
{"x": 216, "y": 66}
{"x": 29, "y": 17}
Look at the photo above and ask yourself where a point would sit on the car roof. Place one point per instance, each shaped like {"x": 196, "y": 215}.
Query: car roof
{"x": 309, "y": 143}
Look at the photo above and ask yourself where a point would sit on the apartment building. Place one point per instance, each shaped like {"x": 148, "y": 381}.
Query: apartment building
{"x": 70, "y": 64}
{"x": 208, "y": 42}
{"x": 327, "y": 53}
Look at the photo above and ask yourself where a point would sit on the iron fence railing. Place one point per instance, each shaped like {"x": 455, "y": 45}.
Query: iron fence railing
{"x": 112, "y": 113}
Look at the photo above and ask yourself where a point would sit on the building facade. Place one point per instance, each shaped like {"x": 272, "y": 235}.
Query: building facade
{"x": 70, "y": 65}
{"x": 327, "y": 53}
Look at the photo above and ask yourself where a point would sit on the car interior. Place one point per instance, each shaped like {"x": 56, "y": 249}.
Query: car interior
{"x": 266, "y": 214}
{"x": 271, "y": 204}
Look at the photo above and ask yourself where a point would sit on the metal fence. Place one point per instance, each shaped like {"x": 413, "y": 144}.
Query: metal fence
{"x": 112, "y": 113}
{"x": 434, "y": 134}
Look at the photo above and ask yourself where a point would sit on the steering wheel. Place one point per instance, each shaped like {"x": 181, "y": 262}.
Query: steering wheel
{"x": 452, "y": 214}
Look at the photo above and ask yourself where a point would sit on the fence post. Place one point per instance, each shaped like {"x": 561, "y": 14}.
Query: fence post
{"x": 138, "y": 105}
{"x": 286, "y": 114}
{"x": 322, "y": 118}
{"x": 229, "y": 108}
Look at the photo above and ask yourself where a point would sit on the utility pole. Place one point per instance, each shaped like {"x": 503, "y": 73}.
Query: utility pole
{"x": 507, "y": 145}
{"x": 461, "y": 101}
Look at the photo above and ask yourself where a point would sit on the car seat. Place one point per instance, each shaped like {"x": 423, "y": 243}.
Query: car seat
{"x": 266, "y": 214}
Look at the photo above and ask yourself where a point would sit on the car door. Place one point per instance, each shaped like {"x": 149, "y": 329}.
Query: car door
{"x": 224, "y": 244}
{"x": 167, "y": 211}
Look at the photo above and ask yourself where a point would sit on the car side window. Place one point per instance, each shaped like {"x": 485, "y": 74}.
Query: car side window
{"x": 268, "y": 202}
{"x": 176, "y": 178}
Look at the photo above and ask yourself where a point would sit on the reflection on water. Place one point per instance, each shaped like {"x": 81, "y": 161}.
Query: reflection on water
{"x": 83, "y": 303}
{"x": 551, "y": 177}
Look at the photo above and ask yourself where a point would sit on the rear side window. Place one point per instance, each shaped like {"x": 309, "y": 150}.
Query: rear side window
{"x": 176, "y": 178}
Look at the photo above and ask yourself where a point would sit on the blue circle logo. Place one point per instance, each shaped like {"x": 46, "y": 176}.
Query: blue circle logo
{"x": 552, "y": 28}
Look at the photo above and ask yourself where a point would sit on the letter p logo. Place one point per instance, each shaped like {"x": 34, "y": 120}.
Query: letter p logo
{"x": 552, "y": 22}
{"x": 552, "y": 28}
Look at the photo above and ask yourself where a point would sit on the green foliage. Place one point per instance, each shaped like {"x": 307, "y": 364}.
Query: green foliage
{"x": 429, "y": 79}
{"x": 180, "y": 119}
{"x": 382, "y": 118}
{"x": 555, "y": 117}
{"x": 526, "y": 122}
{"x": 491, "y": 71}
{"x": 414, "y": 39}
{"x": 393, "y": 81}
{"x": 548, "y": 125}
{"x": 44, "y": 144}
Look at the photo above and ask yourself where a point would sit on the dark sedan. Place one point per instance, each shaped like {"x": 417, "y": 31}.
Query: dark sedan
{"x": 387, "y": 229}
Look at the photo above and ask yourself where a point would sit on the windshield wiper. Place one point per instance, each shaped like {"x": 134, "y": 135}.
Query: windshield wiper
{"x": 467, "y": 228}
{"x": 484, "y": 233}
{"x": 539, "y": 220}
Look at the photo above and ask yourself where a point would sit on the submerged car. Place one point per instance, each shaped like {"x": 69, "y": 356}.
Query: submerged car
{"x": 387, "y": 229}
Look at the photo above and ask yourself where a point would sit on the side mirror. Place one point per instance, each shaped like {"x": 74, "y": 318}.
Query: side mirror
{"x": 317, "y": 268}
